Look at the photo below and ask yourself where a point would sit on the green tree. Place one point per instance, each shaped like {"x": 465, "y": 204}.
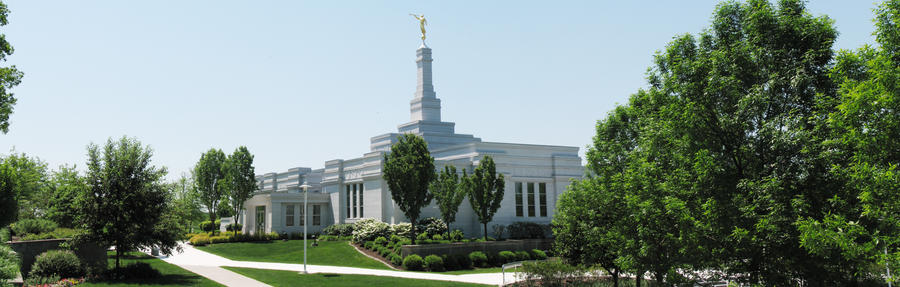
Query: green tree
{"x": 9, "y": 76}
{"x": 409, "y": 170}
{"x": 186, "y": 204}
{"x": 485, "y": 190}
{"x": 209, "y": 174}
{"x": 66, "y": 185}
{"x": 448, "y": 194}
{"x": 241, "y": 179}
{"x": 126, "y": 204}
{"x": 23, "y": 187}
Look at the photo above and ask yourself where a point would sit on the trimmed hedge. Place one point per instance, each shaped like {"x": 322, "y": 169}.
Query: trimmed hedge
{"x": 507, "y": 257}
{"x": 396, "y": 259}
{"x": 434, "y": 263}
{"x": 522, "y": 255}
{"x": 56, "y": 263}
{"x": 478, "y": 259}
{"x": 537, "y": 254}
{"x": 413, "y": 263}
{"x": 345, "y": 229}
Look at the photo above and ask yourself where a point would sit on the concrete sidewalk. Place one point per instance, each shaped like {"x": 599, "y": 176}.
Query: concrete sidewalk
{"x": 191, "y": 258}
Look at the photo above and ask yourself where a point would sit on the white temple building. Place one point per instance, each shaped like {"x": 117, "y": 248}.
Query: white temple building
{"x": 347, "y": 190}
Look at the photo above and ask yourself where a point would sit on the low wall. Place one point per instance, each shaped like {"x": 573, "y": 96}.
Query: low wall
{"x": 90, "y": 254}
{"x": 464, "y": 248}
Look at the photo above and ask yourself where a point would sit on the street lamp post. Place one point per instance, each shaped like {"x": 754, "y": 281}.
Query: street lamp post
{"x": 305, "y": 187}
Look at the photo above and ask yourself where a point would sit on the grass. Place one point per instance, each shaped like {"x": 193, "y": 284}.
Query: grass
{"x": 292, "y": 278}
{"x": 171, "y": 275}
{"x": 474, "y": 271}
{"x": 334, "y": 253}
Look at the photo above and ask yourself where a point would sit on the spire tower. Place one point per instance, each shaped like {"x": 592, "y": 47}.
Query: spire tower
{"x": 425, "y": 106}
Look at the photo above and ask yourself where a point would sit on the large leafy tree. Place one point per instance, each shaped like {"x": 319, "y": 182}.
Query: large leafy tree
{"x": 23, "y": 187}
{"x": 126, "y": 204}
{"x": 409, "y": 170}
{"x": 485, "y": 190}
{"x": 186, "y": 203}
{"x": 209, "y": 177}
{"x": 9, "y": 76}
{"x": 448, "y": 194}
{"x": 862, "y": 225}
{"x": 66, "y": 185}
{"x": 241, "y": 178}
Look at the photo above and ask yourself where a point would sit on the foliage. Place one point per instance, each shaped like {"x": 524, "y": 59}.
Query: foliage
{"x": 403, "y": 230}
{"x": 434, "y": 263}
{"x": 185, "y": 204}
{"x": 207, "y": 226}
{"x": 54, "y": 234}
{"x": 209, "y": 174}
{"x": 485, "y": 190}
{"x": 23, "y": 182}
{"x": 413, "y": 263}
{"x": 478, "y": 259}
{"x": 137, "y": 270}
{"x": 56, "y": 263}
{"x": 32, "y": 226}
{"x": 241, "y": 179}
{"x": 5, "y": 235}
{"x": 456, "y": 235}
{"x": 432, "y": 225}
{"x": 344, "y": 229}
{"x": 126, "y": 202}
{"x": 499, "y": 229}
{"x": 235, "y": 227}
{"x": 367, "y": 229}
{"x": 462, "y": 261}
{"x": 447, "y": 194}
{"x": 526, "y": 230}
{"x": 65, "y": 186}
{"x": 550, "y": 273}
{"x": 522, "y": 255}
{"x": 9, "y": 76}
{"x": 9, "y": 264}
{"x": 396, "y": 259}
{"x": 381, "y": 241}
{"x": 538, "y": 254}
{"x": 408, "y": 171}
{"x": 507, "y": 257}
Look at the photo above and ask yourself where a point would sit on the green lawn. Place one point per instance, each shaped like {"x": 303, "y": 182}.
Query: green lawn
{"x": 171, "y": 275}
{"x": 292, "y": 278}
{"x": 475, "y": 271}
{"x": 334, "y": 253}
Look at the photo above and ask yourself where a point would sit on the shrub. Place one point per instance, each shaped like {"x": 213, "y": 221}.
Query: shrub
{"x": 369, "y": 245}
{"x": 396, "y": 259}
{"x": 437, "y": 237}
{"x": 9, "y": 263}
{"x": 549, "y": 273}
{"x": 273, "y": 236}
{"x": 403, "y": 230}
{"x": 199, "y": 240}
{"x": 219, "y": 239}
{"x": 206, "y": 226}
{"x": 345, "y": 229}
{"x": 526, "y": 230}
{"x": 522, "y": 255}
{"x": 368, "y": 229}
{"x": 494, "y": 259}
{"x": 32, "y": 226}
{"x": 449, "y": 262}
{"x": 61, "y": 263}
{"x": 57, "y": 233}
{"x": 434, "y": 263}
{"x": 422, "y": 237}
{"x": 462, "y": 261}
{"x": 507, "y": 257}
{"x": 384, "y": 252}
{"x": 456, "y": 235}
{"x": 432, "y": 225}
{"x": 537, "y": 254}
{"x": 478, "y": 259}
{"x": 217, "y": 224}
{"x": 234, "y": 227}
{"x": 381, "y": 241}
{"x": 5, "y": 235}
{"x": 413, "y": 263}
{"x": 395, "y": 238}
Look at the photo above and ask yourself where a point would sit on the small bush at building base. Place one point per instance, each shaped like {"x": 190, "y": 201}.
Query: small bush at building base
{"x": 478, "y": 259}
{"x": 345, "y": 229}
{"x": 396, "y": 259}
{"x": 457, "y": 235}
{"x": 507, "y": 257}
{"x": 537, "y": 254}
{"x": 462, "y": 261}
{"x": 449, "y": 262}
{"x": 434, "y": 263}
{"x": 413, "y": 263}
{"x": 234, "y": 227}
{"x": 522, "y": 255}
{"x": 381, "y": 241}
{"x": 59, "y": 263}
{"x": 206, "y": 226}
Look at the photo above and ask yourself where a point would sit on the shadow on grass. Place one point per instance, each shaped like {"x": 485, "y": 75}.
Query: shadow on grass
{"x": 331, "y": 275}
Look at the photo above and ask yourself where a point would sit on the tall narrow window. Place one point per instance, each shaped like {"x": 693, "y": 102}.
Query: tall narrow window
{"x": 302, "y": 215}
{"x": 354, "y": 201}
{"x": 530, "y": 197}
{"x": 317, "y": 214}
{"x": 542, "y": 195}
{"x": 261, "y": 219}
{"x": 519, "y": 212}
{"x": 361, "y": 202}
{"x": 289, "y": 215}
{"x": 348, "y": 202}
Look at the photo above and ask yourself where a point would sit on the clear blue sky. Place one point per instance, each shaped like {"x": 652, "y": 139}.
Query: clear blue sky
{"x": 299, "y": 83}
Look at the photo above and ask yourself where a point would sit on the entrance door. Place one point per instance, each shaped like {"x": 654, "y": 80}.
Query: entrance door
{"x": 261, "y": 219}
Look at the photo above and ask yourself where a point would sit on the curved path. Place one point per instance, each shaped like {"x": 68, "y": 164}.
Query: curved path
{"x": 209, "y": 265}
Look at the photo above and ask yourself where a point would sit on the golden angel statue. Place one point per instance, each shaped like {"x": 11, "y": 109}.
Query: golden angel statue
{"x": 422, "y": 23}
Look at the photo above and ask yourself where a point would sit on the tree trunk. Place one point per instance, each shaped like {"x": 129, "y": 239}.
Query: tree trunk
{"x": 413, "y": 231}
{"x": 118, "y": 252}
{"x": 637, "y": 278}
{"x": 485, "y": 231}
{"x": 660, "y": 278}
{"x": 615, "y": 277}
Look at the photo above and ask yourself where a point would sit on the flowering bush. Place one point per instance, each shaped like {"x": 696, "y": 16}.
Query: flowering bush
{"x": 368, "y": 229}
{"x": 432, "y": 225}
{"x": 403, "y": 230}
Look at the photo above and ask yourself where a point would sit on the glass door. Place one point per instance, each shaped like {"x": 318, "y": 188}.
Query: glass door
{"x": 261, "y": 219}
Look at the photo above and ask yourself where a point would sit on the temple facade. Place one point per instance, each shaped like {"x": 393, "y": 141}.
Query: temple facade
{"x": 347, "y": 190}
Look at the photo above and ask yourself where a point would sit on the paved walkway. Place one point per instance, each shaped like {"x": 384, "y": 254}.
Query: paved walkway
{"x": 208, "y": 265}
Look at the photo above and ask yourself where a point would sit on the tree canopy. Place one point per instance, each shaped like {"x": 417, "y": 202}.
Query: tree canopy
{"x": 209, "y": 176}
{"x": 485, "y": 190}
{"x": 448, "y": 194}
{"x": 241, "y": 178}
{"x": 9, "y": 76}
{"x": 409, "y": 170}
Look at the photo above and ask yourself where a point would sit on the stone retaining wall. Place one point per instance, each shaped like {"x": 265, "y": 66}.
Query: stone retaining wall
{"x": 464, "y": 248}
{"x": 90, "y": 254}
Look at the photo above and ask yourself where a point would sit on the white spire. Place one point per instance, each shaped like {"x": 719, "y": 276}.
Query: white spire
{"x": 425, "y": 106}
